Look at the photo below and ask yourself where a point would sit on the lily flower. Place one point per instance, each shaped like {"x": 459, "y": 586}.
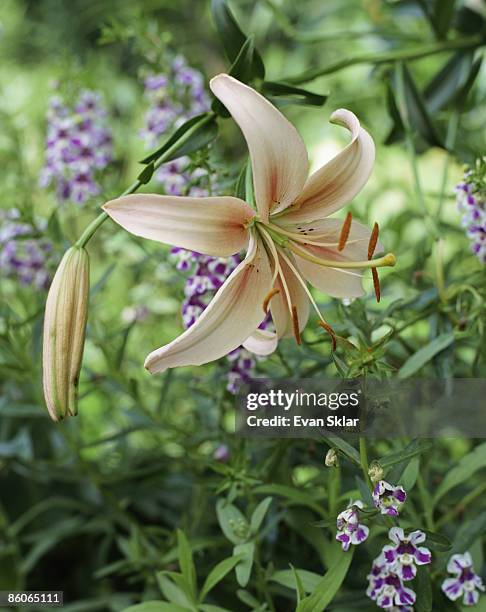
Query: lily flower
{"x": 289, "y": 238}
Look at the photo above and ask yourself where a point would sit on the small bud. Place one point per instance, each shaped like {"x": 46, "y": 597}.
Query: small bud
{"x": 375, "y": 472}
{"x": 64, "y": 333}
{"x": 331, "y": 459}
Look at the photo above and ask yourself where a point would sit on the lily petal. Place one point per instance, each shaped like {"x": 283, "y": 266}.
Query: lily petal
{"x": 279, "y": 307}
{"x": 261, "y": 342}
{"x": 338, "y": 181}
{"x": 335, "y": 282}
{"x": 213, "y": 226}
{"x": 232, "y": 315}
{"x": 278, "y": 154}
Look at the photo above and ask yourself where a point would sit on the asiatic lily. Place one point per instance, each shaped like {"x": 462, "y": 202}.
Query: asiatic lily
{"x": 289, "y": 238}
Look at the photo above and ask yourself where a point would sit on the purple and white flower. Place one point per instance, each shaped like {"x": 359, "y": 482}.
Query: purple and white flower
{"x": 78, "y": 144}
{"x": 471, "y": 203}
{"x": 388, "y": 498}
{"x": 387, "y": 589}
{"x": 405, "y": 554}
{"x": 465, "y": 583}
{"x": 25, "y": 255}
{"x": 349, "y": 529}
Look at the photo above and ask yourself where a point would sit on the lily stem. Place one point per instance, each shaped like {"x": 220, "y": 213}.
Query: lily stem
{"x": 164, "y": 157}
{"x": 385, "y": 58}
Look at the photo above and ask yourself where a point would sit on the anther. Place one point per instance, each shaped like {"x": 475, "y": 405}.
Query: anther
{"x": 268, "y": 297}
{"x": 345, "y": 232}
{"x": 376, "y": 283}
{"x": 330, "y": 331}
{"x": 295, "y": 322}
{"x": 373, "y": 240}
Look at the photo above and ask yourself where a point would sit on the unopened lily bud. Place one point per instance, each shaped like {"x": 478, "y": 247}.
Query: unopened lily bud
{"x": 331, "y": 459}
{"x": 375, "y": 472}
{"x": 64, "y": 333}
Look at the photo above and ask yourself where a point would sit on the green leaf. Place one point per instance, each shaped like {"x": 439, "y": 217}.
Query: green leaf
{"x": 285, "y": 93}
{"x": 241, "y": 68}
{"x": 348, "y": 451}
{"x": 232, "y": 36}
{"x": 448, "y": 81}
{"x": 411, "y": 106}
{"x": 230, "y": 519}
{"x": 410, "y": 474}
{"x": 246, "y": 553}
{"x": 191, "y": 136}
{"x": 287, "y": 578}
{"x": 217, "y": 574}
{"x": 186, "y": 562}
{"x": 460, "y": 474}
{"x": 425, "y": 354}
{"x": 298, "y": 496}
{"x": 423, "y": 588}
{"x": 259, "y": 514}
{"x": 171, "y": 591}
{"x": 416, "y": 447}
{"x": 329, "y": 585}
{"x": 156, "y": 606}
{"x": 147, "y": 173}
{"x": 442, "y": 16}
{"x": 210, "y": 608}
{"x": 469, "y": 532}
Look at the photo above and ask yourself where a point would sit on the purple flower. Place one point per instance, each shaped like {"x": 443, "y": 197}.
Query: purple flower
{"x": 78, "y": 144}
{"x": 404, "y": 555}
{"x": 349, "y": 529}
{"x": 222, "y": 453}
{"x": 465, "y": 583}
{"x": 388, "y": 498}
{"x": 387, "y": 589}
{"x": 471, "y": 203}
{"x": 24, "y": 256}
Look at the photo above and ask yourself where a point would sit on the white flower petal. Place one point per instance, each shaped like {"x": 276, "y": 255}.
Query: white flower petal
{"x": 213, "y": 226}
{"x": 232, "y": 315}
{"x": 261, "y": 342}
{"x": 278, "y": 154}
{"x": 338, "y": 181}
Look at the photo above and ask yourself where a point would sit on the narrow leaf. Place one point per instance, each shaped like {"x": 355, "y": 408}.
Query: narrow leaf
{"x": 191, "y": 136}
{"x": 285, "y": 93}
{"x": 185, "y": 561}
{"x": 425, "y": 354}
{"x": 462, "y": 472}
{"x": 259, "y": 514}
{"x": 217, "y": 574}
{"x": 246, "y": 553}
{"x": 232, "y": 36}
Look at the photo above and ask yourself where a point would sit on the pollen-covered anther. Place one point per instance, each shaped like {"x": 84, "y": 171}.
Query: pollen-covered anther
{"x": 268, "y": 297}
{"x": 343, "y": 238}
{"x": 376, "y": 283}
{"x": 330, "y": 331}
{"x": 373, "y": 240}
{"x": 295, "y": 322}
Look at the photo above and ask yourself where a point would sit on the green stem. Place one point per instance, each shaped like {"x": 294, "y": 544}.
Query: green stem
{"x": 464, "y": 503}
{"x": 426, "y": 504}
{"x": 390, "y": 56}
{"x": 363, "y": 456}
{"x": 165, "y": 156}
{"x": 451, "y": 135}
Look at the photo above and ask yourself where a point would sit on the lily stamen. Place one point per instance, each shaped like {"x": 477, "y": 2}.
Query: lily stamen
{"x": 373, "y": 240}
{"x": 330, "y": 331}
{"x": 387, "y": 260}
{"x": 268, "y": 297}
{"x": 295, "y": 322}
{"x": 345, "y": 231}
{"x": 371, "y": 249}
